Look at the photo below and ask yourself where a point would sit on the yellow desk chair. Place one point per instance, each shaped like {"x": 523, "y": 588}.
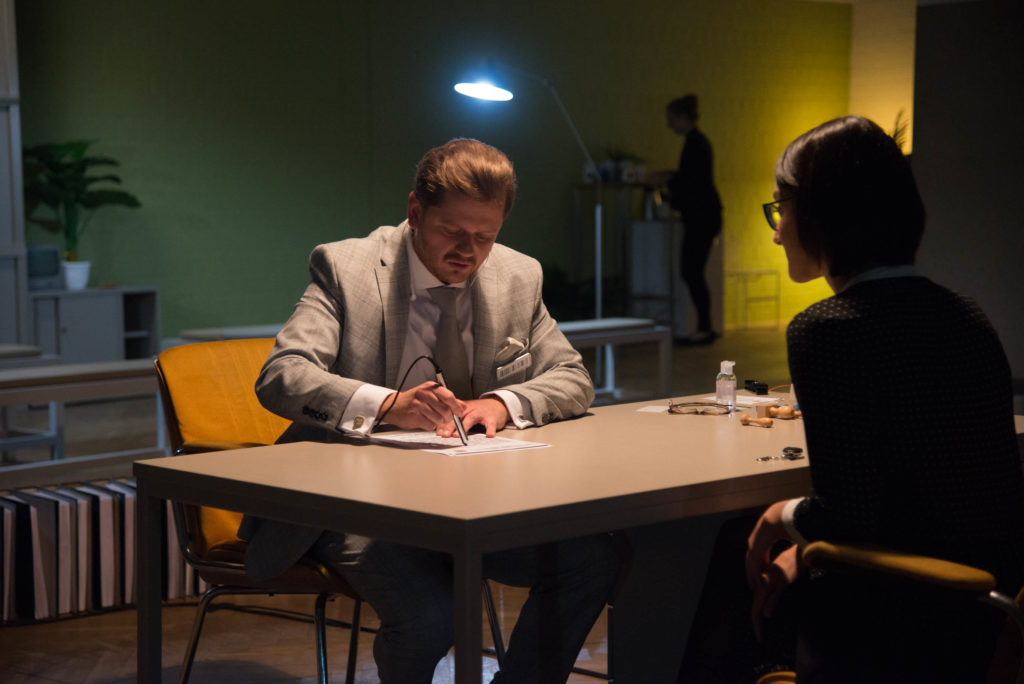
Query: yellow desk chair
{"x": 210, "y": 405}
{"x": 1007, "y": 665}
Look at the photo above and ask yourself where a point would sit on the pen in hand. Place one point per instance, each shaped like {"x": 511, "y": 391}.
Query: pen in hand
{"x": 459, "y": 427}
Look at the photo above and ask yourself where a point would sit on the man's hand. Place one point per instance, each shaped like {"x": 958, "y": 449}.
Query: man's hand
{"x": 426, "y": 406}
{"x": 489, "y": 412}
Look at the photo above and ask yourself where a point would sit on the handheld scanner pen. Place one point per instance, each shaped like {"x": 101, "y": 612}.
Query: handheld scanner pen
{"x": 459, "y": 427}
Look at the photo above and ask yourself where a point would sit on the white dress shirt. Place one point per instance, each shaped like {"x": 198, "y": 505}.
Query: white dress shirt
{"x": 360, "y": 413}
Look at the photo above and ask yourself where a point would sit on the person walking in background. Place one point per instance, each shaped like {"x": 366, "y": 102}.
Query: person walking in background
{"x": 692, "y": 192}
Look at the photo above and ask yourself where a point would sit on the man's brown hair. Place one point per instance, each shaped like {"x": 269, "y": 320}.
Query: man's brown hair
{"x": 470, "y": 167}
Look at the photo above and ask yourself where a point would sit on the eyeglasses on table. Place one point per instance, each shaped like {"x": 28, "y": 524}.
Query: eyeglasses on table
{"x": 705, "y": 408}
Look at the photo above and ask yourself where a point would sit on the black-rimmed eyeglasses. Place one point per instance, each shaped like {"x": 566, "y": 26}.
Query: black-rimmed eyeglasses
{"x": 772, "y": 212}
{"x": 705, "y": 408}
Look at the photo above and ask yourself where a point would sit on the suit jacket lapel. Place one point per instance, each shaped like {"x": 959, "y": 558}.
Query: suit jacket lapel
{"x": 394, "y": 287}
{"x": 486, "y": 294}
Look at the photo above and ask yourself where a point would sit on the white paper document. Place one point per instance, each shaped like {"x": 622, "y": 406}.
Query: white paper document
{"x": 452, "y": 446}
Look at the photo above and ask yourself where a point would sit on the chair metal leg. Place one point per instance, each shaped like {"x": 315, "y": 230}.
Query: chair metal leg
{"x": 319, "y": 623}
{"x": 1014, "y": 613}
{"x": 353, "y": 644}
{"x": 611, "y": 646}
{"x": 492, "y": 619}
{"x": 197, "y": 627}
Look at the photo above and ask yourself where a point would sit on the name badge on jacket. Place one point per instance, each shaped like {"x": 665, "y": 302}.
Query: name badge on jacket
{"x": 521, "y": 363}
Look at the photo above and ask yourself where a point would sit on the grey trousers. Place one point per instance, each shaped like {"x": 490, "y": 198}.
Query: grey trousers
{"x": 411, "y": 591}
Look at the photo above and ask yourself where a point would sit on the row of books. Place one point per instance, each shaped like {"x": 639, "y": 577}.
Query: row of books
{"x": 71, "y": 549}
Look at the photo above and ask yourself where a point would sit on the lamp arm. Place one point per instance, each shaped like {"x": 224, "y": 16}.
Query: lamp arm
{"x": 550, "y": 85}
{"x": 591, "y": 166}
{"x": 592, "y": 170}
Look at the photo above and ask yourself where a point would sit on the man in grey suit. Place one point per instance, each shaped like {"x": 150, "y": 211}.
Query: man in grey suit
{"x": 373, "y": 307}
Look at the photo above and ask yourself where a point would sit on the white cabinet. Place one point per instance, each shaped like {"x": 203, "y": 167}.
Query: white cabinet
{"x": 656, "y": 287}
{"x": 97, "y": 324}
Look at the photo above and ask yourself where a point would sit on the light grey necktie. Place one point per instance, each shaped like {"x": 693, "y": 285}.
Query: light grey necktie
{"x": 449, "y": 352}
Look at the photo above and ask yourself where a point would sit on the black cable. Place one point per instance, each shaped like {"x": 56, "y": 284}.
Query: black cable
{"x": 437, "y": 369}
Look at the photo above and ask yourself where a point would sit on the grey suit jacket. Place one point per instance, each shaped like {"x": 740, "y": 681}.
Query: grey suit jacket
{"x": 349, "y": 328}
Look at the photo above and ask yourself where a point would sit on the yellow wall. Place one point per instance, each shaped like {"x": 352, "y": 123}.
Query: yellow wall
{"x": 881, "y": 84}
{"x": 882, "y": 63}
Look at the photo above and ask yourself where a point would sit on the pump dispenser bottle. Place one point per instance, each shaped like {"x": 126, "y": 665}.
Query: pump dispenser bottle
{"x": 725, "y": 385}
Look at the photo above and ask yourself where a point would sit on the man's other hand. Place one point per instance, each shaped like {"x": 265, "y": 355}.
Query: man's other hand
{"x": 489, "y": 412}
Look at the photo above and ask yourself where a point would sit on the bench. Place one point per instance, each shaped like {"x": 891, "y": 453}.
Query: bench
{"x": 60, "y": 383}
{"x": 608, "y": 332}
{"x": 596, "y": 332}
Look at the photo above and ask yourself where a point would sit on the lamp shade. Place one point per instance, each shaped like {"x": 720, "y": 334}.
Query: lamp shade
{"x": 482, "y": 90}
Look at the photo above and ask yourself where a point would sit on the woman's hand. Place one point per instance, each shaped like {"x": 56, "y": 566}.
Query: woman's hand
{"x": 768, "y": 530}
{"x": 781, "y": 573}
{"x": 769, "y": 578}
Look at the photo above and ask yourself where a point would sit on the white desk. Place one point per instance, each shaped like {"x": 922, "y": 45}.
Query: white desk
{"x": 613, "y": 469}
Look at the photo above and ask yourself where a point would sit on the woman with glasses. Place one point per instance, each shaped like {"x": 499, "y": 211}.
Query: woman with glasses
{"x": 906, "y": 397}
{"x": 907, "y": 405}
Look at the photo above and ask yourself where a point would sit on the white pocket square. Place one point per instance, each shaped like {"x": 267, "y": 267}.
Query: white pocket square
{"x": 512, "y": 348}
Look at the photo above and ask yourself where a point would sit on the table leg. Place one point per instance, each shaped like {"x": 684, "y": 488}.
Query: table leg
{"x": 148, "y": 571}
{"x": 467, "y": 605}
{"x": 57, "y": 428}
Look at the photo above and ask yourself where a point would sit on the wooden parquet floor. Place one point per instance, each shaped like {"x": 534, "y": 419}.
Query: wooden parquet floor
{"x": 264, "y": 639}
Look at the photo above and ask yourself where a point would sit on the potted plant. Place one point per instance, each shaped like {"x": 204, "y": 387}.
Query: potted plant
{"x": 57, "y": 175}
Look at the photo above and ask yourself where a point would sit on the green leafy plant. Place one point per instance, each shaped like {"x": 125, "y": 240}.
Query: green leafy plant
{"x": 57, "y": 175}
{"x": 616, "y": 153}
{"x": 899, "y": 129}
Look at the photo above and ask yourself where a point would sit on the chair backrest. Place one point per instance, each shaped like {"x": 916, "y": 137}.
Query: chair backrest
{"x": 208, "y": 395}
{"x": 1007, "y": 664}
{"x": 210, "y": 387}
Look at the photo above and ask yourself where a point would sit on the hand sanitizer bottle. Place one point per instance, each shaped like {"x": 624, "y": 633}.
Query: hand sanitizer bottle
{"x": 725, "y": 385}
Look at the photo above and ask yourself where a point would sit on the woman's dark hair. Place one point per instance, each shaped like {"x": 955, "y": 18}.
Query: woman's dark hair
{"x": 683, "y": 106}
{"x": 857, "y": 204}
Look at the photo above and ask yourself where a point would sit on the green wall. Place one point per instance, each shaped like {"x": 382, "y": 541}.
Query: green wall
{"x": 253, "y": 130}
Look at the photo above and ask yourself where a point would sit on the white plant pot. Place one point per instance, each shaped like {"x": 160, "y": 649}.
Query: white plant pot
{"x": 76, "y": 274}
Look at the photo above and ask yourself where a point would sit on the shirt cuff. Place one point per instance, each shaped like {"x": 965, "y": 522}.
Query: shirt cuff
{"x": 788, "y": 515}
{"x": 361, "y": 411}
{"x": 519, "y": 411}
